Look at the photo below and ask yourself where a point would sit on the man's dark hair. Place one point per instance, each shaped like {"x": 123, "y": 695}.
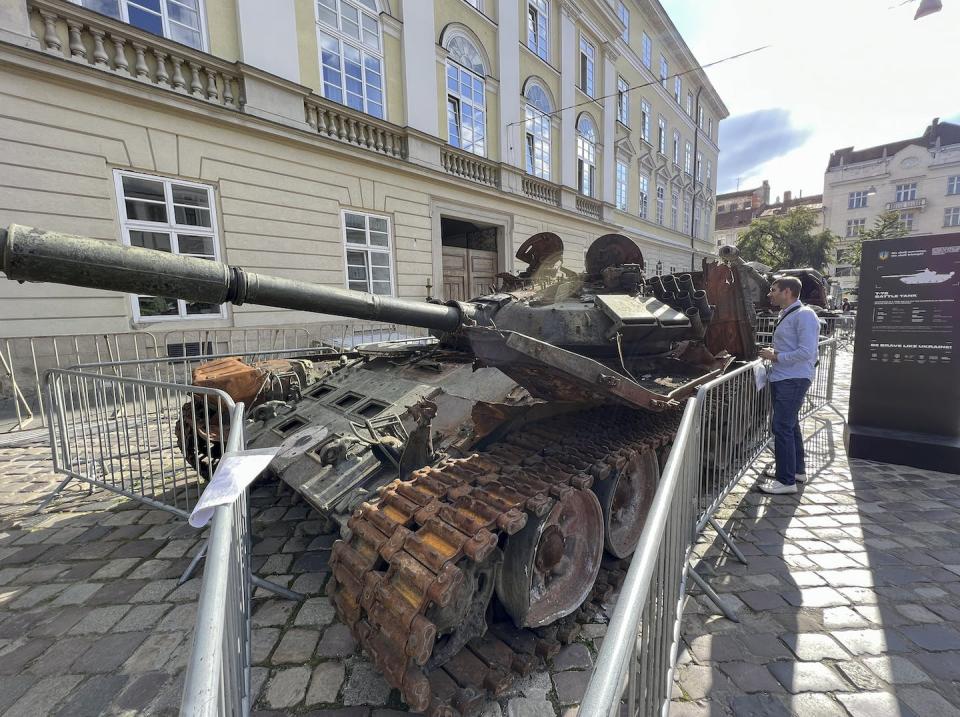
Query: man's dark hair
{"x": 790, "y": 283}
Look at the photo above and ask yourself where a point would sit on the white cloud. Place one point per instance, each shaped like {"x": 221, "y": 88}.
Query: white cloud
{"x": 851, "y": 73}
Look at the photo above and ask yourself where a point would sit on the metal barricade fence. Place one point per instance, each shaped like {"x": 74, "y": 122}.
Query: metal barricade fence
{"x": 23, "y": 361}
{"x": 153, "y": 441}
{"x": 217, "y": 680}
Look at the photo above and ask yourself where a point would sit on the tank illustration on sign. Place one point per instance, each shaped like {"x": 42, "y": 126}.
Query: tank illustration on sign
{"x": 487, "y": 479}
{"x": 927, "y": 276}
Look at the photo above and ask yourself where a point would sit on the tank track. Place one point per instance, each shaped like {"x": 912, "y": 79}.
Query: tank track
{"x": 410, "y": 554}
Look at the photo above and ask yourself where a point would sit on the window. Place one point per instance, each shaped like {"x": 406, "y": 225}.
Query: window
{"x": 699, "y": 166}
{"x": 951, "y": 217}
{"x": 686, "y": 213}
{"x": 622, "y": 185}
{"x": 369, "y": 264}
{"x": 624, "y": 16}
{"x": 171, "y": 216}
{"x": 538, "y": 28}
{"x": 587, "y": 55}
{"x": 645, "y": 121}
{"x": 676, "y": 148}
{"x": 664, "y": 71}
{"x": 855, "y": 226}
{"x": 623, "y": 101}
{"x": 696, "y": 220}
{"x": 178, "y": 20}
{"x": 721, "y": 208}
{"x": 646, "y": 51}
{"x": 709, "y": 172}
{"x": 586, "y": 155}
{"x": 710, "y": 128}
{"x": 537, "y": 140}
{"x": 674, "y": 202}
{"x": 662, "y": 135}
{"x": 351, "y": 58}
{"x": 906, "y": 192}
{"x": 906, "y": 220}
{"x": 840, "y": 253}
{"x": 677, "y": 88}
{"x": 700, "y": 116}
{"x": 690, "y": 105}
{"x": 644, "y": 195}
{"x": 953, "y": 185}
{"x": 466, "y": 97}
{"x": 660, "y": 195}
{"x": 856, "y": 200}
{"x": 687, "y": 157}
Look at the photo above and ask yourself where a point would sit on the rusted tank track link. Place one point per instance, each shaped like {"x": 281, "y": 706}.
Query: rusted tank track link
{"x": 415, "y": 579}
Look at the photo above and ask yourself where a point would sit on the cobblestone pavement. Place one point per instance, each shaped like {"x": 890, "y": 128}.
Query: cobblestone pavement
{"x": 850, "y": 604}
{"x": 853, "y": 605}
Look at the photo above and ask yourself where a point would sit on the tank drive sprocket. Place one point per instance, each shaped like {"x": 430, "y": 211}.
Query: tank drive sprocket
{"x": 522, "y": 519}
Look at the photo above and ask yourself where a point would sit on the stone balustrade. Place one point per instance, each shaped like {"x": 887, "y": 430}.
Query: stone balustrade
{"x": 341, "y": 123}
{"x": 590, "y": 207}
{"x": 470, "y": 166}
{"x": 541, "y": 190}
{"x": 74, "y": 33}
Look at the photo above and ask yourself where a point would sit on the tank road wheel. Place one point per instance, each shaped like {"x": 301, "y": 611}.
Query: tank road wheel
{"x": 549, "y": 567}
{"x": 626, "y": 499}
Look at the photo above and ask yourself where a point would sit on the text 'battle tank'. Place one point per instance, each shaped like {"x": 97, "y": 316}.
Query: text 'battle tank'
{"x": 477, "y": 475}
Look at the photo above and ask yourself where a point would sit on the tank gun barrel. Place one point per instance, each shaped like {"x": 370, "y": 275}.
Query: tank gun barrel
{"x": 29, "y": 254}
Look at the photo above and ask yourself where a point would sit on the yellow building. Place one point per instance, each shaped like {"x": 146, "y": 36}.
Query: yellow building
{"x": 376, "y": 144}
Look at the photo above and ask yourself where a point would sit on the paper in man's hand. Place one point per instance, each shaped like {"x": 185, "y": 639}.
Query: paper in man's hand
{"x": 760, "y": 376}
{"x": 234, "y": 473}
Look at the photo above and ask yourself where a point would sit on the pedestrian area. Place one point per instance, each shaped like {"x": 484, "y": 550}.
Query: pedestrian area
{"x": 850, "y": 603}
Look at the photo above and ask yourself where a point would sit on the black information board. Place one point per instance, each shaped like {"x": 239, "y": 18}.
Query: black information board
{"x": 905, "y": 388}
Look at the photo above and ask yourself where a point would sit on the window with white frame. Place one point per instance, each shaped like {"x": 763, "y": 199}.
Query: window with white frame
{"x": 538, "y": 111}
{"x": 906, "y": 220}
{"x": 587, "y": 56}
{"x": 699, "y": 166}
{"x": 676, "y": 147}
{"x": 953, "y": 185}
{"x": 951, "y": 217}
{"x": 466, "y": 97}
{"x": 645, "y": 121}
{"x": 178, "y": 20}
{"x": 644, "y": 195}
{"x": 586, "y": 155}
{"x": 855, "y": 227}
{"x": 709, "y": 172}
{"x": 710, "y": 128}
{"x": 646, "y": 51}
{"x": 687, "y": 157}
{"x": 906, "y": 192}
{"x": 623, "y": 101}
{"x": 172, "y": 216}
{"x": 367, "y": 246}
{"x": 857, "y": 200}
{"x": 690, "y": 105}
{"x": 696, "y": 220}
{"x": 660, "y": 198}
{"x": 700, "y": 116}
{"x": 351, "y": 54}
{"x": 664, "y": 71}
{"x": 674, "y": 204}
{"x": 677, "y": 88}
{"x": 621, "y": 185}
{"x": 687, "y": 217}
{"x": 538, "y": 28}
{"x": 662, "y": 135}
{"x": 624, "y": 16}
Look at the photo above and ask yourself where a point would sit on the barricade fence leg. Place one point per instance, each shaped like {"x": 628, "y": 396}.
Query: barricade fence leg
{"x": 711, "y": 593}
{"x": 725, "y": 537}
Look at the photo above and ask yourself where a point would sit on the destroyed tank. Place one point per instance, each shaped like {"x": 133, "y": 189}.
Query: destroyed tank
{"x": 478, "y": 475}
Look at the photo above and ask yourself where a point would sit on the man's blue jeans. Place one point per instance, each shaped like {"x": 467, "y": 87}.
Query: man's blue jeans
{"x": 787, "y": 397}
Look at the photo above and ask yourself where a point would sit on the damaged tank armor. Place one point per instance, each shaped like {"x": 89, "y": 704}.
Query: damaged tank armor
{"x": 476, "y": 474}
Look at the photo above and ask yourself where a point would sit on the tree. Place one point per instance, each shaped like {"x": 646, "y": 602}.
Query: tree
{"x": 886, "y": 226}
{"x": 788, "y": 241}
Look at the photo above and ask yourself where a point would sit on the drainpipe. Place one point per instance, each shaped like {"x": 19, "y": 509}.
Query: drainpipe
{"x": 693, "y": 207}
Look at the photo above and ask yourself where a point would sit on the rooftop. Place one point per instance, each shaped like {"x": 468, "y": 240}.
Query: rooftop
{"x": 936, "y": 134}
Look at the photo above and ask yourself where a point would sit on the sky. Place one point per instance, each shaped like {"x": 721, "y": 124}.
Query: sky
{"x": 839, "y": 73}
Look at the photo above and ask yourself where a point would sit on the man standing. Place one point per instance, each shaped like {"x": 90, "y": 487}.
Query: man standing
{"x": 793, "y": 357}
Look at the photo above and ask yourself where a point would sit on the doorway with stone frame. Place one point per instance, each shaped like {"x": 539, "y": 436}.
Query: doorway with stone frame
{"x": 470, "y": 258}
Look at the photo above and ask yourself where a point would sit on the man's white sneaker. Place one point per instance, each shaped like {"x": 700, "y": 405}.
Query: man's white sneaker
{"x": 771, "y": 473}
{"x": 800, "y": 477}
{"x": 777, "y": 488}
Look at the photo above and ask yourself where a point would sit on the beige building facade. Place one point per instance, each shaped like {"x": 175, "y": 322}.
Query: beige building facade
{"x": 373, "y": 144}
{"x": 918, "y": 177}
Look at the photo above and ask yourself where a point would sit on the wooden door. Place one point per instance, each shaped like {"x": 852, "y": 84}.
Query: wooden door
{"x": 468, "y": 273}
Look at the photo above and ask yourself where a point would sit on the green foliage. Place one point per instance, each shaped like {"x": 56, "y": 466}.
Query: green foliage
{"x": 788, "y": 241}
{"x": 886, "y": 226}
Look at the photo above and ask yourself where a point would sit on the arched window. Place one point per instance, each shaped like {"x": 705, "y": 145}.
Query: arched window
{"x": 537, "y": 136}
{"x": 466, "y": 96}
{"x": 586, "y": 155}
{"x": 351, "y": 53}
